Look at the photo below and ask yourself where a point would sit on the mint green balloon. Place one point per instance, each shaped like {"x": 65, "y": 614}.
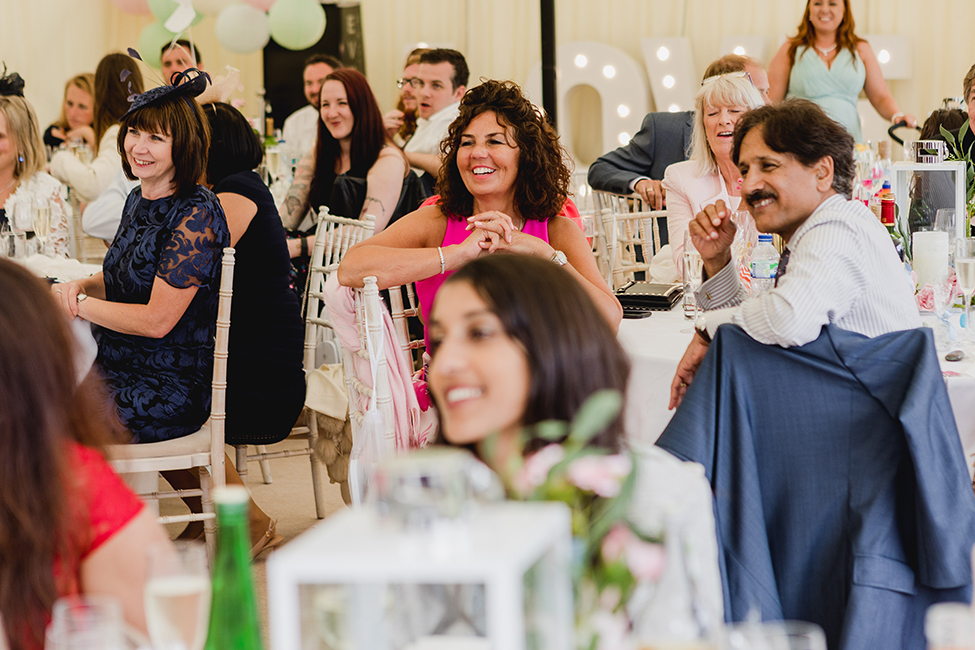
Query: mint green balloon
{"x": 163, "y": 9}
{"x": 296, "y": 24}
{"x": 151, "y": 41}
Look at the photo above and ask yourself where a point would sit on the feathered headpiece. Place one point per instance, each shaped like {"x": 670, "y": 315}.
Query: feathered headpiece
{"x": 11, "y": 84}
{"x": 186, "y": 84}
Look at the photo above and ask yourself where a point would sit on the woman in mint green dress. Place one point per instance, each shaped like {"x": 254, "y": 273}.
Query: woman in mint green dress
{"x": 826, "y": 62}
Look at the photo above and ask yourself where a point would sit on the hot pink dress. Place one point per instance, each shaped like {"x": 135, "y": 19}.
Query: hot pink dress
{"x": 457, "y": 232}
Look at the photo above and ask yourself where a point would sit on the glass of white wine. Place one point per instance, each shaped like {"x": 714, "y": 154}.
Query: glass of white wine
{"x": 177, "y": 596}
{"x": 41, "y": 218}
{"x": 965, "y": 270}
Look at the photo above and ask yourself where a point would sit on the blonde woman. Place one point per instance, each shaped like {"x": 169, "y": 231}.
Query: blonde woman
{"x": 116, "y": 79}
{"x": 77, "y": 112}
{"x": 22, "y": 183}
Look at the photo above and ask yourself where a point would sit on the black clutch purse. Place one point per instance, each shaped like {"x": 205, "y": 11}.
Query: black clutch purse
{"x": 640, "y": 298}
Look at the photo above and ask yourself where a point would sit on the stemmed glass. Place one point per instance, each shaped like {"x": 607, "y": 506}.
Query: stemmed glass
{"x": 85, "y": 623}
{"x": 775, "y": 635}
{"x": 41, "y": 213}
{"x": 965, "y": 270}
{"x": 693, "y": 266}
{"x": 177, "y": 596}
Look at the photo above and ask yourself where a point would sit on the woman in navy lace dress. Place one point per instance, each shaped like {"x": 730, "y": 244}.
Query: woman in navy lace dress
{"x": 156, "y": 298}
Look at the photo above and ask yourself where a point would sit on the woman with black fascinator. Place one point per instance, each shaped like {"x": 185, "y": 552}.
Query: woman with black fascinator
{"x": 156, "y": 297}
{"x": 23, "y": 184}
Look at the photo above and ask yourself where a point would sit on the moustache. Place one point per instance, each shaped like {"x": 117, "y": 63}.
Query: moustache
{"x": 760, "y": 195}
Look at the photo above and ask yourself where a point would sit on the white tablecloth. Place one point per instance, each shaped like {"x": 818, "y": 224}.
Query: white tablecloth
{"x": 656, "y": 344}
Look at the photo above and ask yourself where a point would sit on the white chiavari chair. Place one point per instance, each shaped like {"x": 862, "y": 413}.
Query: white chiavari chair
{"x": 631, "y": 234}
{"x": 334, "y": 236}
{"x": 205, "y": 448}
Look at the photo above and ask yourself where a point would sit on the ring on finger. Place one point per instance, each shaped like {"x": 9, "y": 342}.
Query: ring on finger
{"x": 58, "y": 290}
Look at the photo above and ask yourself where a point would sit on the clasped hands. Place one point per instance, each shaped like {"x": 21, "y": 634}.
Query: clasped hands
{"x": 712, "y": 232}
{"x": 492, "y": 231}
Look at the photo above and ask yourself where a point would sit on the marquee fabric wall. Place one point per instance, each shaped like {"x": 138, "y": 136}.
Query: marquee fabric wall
{"x": 51, "y": 40}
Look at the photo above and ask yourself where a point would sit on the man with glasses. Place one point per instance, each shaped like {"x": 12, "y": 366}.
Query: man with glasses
{"x": 440, "y": 82}
{"x": 300, "y": 132}
{"x": 664, "y": 139}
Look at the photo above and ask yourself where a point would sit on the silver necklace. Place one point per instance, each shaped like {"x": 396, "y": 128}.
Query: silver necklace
{"x": 826, "y": 51}
{"x": 8, "y": 186}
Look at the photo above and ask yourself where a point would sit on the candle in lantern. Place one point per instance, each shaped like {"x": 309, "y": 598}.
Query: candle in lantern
{"x": 930, "y": 255}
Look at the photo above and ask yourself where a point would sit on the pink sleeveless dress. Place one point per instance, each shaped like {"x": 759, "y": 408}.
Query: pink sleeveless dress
{"x": 457, "y": 232}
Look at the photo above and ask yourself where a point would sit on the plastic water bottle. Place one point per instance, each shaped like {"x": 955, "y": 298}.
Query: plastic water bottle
{"x": 764, "y": 264}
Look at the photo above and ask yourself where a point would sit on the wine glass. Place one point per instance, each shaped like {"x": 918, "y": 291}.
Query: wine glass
{"x": 965, "y": 270}
{"x": 774, "y": 635}
{"x": 41, "y": 213}
{"x": 85, "y": 623}
{"x": 944, "y": 221}
{"x": 177, "y": 596}
{"x": 693, "y": 265}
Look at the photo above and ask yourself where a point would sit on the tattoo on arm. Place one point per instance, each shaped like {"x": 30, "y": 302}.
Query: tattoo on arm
{"x": 369, "y": 201}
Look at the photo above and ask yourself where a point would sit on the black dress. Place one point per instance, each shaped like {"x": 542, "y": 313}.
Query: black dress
{"x": 161, "y": 386}
{"x": 265, "y": 378}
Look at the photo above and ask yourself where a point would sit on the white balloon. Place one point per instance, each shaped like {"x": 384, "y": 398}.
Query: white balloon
{"x": 242, "y": 29}
{"x": 211, "y": 6}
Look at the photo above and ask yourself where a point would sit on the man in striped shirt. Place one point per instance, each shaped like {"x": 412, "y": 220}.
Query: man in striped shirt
{"x": 839, "y": 265}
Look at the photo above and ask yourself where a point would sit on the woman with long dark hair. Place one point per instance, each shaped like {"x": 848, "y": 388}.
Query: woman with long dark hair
{"x": 826, "y": 62}
{"x": 70, "y": 525}
{"x": 515, "y": 341}
{"x": 352, "y": 143}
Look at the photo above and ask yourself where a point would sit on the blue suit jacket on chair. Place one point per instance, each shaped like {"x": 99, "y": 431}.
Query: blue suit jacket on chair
{"x": 663, "y": 140}
{"x": 841, "y": 493}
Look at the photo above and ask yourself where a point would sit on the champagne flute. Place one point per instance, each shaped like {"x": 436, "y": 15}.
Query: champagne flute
{"x": 177, "y": 596}
{"x": 693, "y": 265}
{"x": 41, "y": 213}
{"x": 774, "y": 635}
{"x": 965, "y": 270}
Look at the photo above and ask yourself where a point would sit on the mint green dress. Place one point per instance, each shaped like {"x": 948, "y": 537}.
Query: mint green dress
{"x": 835, "y": 89}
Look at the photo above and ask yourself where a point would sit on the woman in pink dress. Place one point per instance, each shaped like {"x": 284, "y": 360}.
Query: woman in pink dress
{"x": 503, "y": 183}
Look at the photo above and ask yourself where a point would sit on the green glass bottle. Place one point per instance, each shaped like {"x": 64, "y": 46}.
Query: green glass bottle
{"x": 233, "y": 610}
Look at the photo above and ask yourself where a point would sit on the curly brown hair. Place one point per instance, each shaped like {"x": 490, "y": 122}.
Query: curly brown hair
{"x": 846, "y": 37}
{"x": 542, "y": 185}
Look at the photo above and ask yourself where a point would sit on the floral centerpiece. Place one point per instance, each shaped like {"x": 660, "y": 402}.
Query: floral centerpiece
{"x": 955, "y": 152}
{"x": 611, "y": 556}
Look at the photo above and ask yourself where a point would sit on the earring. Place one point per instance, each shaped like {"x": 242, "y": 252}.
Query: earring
{"x": 20, "y": 157}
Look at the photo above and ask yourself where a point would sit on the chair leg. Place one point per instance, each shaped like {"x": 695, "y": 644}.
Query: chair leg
{"x": 265, "y": 465}
{"x": 317, "y": 469}
{"x": 241, "y": 462}
{"x": 210, "y": 524}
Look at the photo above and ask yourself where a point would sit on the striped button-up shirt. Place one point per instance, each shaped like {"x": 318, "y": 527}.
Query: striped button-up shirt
{"x": 842, "y": 269}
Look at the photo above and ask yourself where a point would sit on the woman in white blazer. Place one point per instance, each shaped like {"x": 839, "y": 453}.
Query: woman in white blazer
{"x": 709, "y": 174}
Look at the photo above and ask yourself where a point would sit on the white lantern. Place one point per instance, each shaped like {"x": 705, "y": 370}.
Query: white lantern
{"x": 492, "y": 579}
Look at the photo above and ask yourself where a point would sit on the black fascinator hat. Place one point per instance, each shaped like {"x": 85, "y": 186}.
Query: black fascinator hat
{"x": 186, "y": 84}
{"x": 11, "y": 84}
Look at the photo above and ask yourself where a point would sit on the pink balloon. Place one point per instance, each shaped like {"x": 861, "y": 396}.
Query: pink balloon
{"x": 263, "y": 5}
{"x": 137, "y": 7}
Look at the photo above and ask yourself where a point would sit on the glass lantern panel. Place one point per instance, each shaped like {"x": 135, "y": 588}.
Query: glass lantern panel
{"x": 393, "y": 617}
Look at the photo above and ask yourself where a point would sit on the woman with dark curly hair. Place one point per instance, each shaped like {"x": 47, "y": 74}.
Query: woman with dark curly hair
{"x": 502, "y": 185}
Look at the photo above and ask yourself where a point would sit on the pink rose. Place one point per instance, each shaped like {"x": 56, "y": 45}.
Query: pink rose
{"x": 614, "y": 544}
{"x": 645, "y": 560}
{"x": 600, "y": 474}
{"x": 535, "y": 470}
{"x": 925, "y": 298}
{"x": 237, "y": 103}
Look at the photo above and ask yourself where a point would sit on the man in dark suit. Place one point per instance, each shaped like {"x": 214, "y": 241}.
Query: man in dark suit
{"x": 664, "y": 139}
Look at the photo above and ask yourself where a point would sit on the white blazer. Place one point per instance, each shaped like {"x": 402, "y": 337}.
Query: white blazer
{"x": 687, "y": 194}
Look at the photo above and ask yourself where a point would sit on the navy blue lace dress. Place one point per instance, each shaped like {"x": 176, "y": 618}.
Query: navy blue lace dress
{"x": 162, "y": 386}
